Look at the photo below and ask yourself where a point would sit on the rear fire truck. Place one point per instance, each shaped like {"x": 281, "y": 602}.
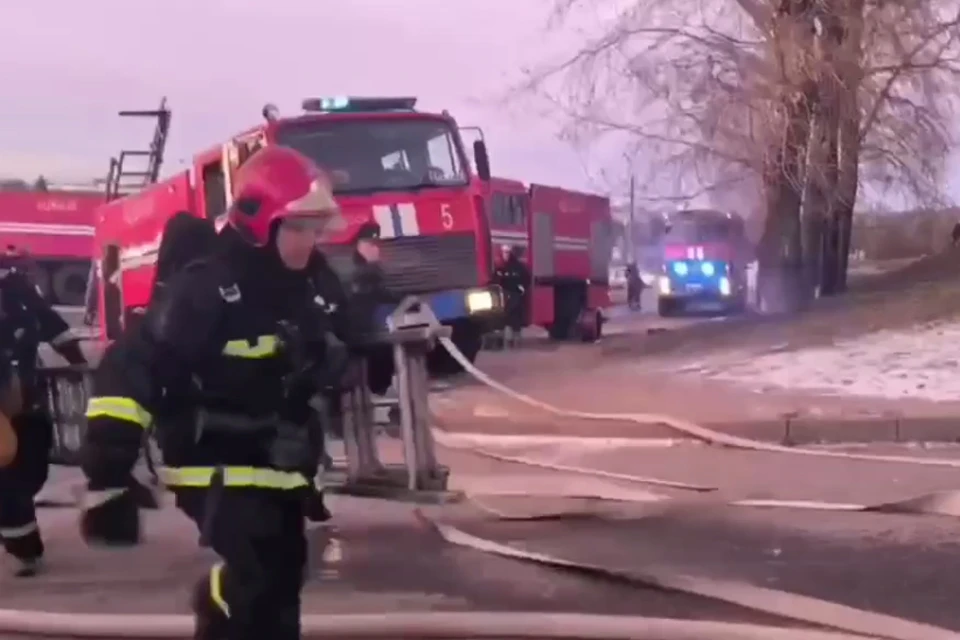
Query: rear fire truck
{"x": 56, "y": 229}
{"x": 705, "y": 258}
{"x": 403, "y": 169}
{"x": 568, "y": 239}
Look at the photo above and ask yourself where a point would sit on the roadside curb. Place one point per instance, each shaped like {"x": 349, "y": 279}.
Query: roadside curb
{"x": 786, "y": 430}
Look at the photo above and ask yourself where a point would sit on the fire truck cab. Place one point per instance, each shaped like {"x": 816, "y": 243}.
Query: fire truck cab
{"x": 55, "y": 228}
{"x": 567, "y": 240}
{"x": 403, "y": 169}
{"x": 705, "y": 258}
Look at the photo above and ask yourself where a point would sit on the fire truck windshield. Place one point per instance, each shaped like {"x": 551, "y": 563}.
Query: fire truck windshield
{"x": 693, "y": 229}
{"x": 380, "y": 154}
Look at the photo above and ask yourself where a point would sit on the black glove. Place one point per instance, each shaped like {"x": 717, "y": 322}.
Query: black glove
{"x": 315, "y": 508}
{"x": 110, "y": 518}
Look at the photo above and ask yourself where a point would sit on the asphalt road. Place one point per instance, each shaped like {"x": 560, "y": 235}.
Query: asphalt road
{"x": 379, "y": 557}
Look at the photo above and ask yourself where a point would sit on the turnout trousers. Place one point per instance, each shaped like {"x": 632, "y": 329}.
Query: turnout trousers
{"x": 259, "y": 534}
{"x": 21, "y": 482}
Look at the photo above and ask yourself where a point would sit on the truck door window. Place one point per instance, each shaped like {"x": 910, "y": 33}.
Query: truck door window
{"x": 518, "y": 214}
{"x": 441, "y": 154}
{"x": 500, "y": 209}
{"x": 214, "y": 190}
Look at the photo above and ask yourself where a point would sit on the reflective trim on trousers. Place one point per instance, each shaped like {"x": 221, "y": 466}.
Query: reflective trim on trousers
{"x": 216, "y": 588}
{"x": 13, "y": 533}
{"x": 119, "y": 408}
{"x": 252, "y": 477}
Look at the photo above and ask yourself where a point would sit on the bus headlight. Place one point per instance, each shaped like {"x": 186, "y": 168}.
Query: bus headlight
{"x": 724, "y": 286}
{"x": 708, "y": 269}
{"x": 481, "y": 300}
{"x": 664, "y": 285}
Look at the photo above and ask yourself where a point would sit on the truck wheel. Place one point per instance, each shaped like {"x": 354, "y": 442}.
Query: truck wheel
{"x": 69, "y": 285}
{"x": 591, "y": 325}
{"x": 568, "y": 305}
{"x": 666, "y": 307}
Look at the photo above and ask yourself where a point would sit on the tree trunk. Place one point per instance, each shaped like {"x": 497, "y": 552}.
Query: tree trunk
{"x": 782, "y": 285}
{"x": 849, "y": 72}
{"x": 824, "y": 173}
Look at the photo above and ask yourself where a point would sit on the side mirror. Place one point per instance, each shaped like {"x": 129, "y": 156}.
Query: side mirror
{"x": 481, "y": 160}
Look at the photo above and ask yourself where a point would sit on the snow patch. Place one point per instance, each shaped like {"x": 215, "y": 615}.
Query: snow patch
{"x": 922, "y": 363}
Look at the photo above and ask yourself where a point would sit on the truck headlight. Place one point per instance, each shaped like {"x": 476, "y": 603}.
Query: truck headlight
{"x": 724, "y": 286}
{"x": 664, "y": 285}
{"x": 478, "y": 301}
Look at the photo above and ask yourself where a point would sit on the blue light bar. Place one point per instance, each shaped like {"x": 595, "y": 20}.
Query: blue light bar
{"x": 347, "y": 104}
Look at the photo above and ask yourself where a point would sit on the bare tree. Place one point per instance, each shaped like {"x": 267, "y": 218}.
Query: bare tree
{"x": 802, "y": 101}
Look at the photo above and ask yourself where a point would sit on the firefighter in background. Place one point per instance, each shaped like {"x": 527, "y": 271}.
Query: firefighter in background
{"x": 186, "y": 239}
{"x": 352, "y": 304}
{"x": 366, "y": 292}
{"x": 224, "y": 364}
{"x": 26, "y": 320}
{"x": 514, "y": 278}
{"x": 634, "y": 286}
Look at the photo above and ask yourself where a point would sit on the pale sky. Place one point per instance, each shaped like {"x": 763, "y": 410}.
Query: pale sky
{"x": 70, "y": 65}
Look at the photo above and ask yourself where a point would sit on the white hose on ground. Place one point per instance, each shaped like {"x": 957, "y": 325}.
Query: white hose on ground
{"x": 937, "y": 503}
{"x": 683, "y": 426}
{"x": 474, "y": 625}
{"x": 779, "y": 603}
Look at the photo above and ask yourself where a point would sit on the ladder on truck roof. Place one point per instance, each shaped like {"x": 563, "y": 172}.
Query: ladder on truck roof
{"x": 123, "y": 179}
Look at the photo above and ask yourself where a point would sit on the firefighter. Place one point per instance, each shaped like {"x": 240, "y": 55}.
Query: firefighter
{"x": 353, "y": 308}
{"x": 224, "y": 364}
{"x": 186, "y": 239}
{"x": 26, "y": 320}
{"x": 513, "y": 276}
{"x": 634, "y": 286}
{"x": 366, "y": 292}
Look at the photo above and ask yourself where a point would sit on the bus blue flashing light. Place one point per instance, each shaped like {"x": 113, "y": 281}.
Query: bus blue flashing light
{"x": 347, "y": 104}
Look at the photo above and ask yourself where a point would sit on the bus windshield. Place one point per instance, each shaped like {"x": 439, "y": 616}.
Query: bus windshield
{"x": 381, "y": 154}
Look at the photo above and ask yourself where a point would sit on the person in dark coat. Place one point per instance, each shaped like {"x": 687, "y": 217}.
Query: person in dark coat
{"x": 26, "y": 320}
{"x": 224, "y": 366}
{"x": 514, "y": 278}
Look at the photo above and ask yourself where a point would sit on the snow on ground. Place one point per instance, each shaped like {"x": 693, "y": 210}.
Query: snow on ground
{"x": 921, "y": 363}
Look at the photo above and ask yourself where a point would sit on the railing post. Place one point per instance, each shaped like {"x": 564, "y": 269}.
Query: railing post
{"x": 358, "y": 433}
{"x": 411, "y": 335}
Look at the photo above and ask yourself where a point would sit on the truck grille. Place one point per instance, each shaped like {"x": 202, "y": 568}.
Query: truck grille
{"x": 421, "y": 264}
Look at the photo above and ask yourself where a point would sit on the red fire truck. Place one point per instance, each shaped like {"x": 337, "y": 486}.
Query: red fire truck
{"x": 568, "y": 239}
{"x": 705, "y": 258}
{"x": 406, "y": 170}
{"x": 56, "y": 229}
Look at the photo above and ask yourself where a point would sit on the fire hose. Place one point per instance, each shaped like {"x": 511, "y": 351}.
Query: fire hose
{"x": 770, "y": 601}
{"x": 855, "y": 624}
{"x": 447, "y": 626}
